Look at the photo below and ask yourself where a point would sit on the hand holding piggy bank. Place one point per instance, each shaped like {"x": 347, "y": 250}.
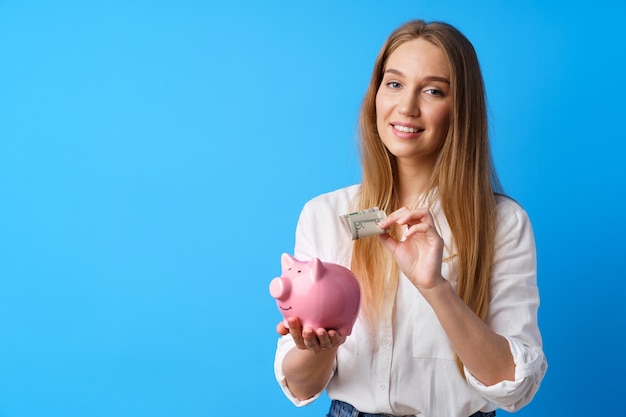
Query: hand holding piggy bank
{"x": 321, "y": 294}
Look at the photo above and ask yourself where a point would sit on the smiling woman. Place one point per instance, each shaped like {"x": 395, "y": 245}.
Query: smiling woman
{"x": 128, "y": 128}
{"x": 449, "y": 291}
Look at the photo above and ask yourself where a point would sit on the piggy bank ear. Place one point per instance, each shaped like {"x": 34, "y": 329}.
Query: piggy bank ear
{"x": 316, "y": 267}
{"x": 287, "y": 261}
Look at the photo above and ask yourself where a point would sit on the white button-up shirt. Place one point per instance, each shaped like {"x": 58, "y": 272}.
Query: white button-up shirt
{"x": 408, "y": 366}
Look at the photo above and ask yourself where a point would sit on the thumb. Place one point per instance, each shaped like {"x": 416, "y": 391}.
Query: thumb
{"x": 281, "y": 329}
{"x": 388, "y": 241}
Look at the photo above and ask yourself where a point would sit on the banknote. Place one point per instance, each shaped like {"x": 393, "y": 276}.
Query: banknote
{"x": 364, "y": 223}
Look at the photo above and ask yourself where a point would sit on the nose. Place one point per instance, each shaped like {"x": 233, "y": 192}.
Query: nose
{"x": 409, "y": 104}
{"x": 280, "y": 288}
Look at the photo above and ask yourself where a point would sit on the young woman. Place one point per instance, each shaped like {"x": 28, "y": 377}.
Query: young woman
{"x": 448, "y": 325}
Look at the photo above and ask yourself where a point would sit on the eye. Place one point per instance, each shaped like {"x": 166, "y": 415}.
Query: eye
{"x": 393, "y": 85}
{"x": 434, "y": 92}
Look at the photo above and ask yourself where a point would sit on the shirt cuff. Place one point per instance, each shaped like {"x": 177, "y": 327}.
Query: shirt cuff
{"x": 530, "y": 367}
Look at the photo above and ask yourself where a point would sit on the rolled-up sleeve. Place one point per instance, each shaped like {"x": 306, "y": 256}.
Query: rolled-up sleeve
{"x": 530, "y": 367}
{"x": 285, "y": 344}
{"x": 513, "y": 309}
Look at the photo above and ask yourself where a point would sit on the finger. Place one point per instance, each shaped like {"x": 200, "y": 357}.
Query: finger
{"x": 335, "y": 338}
{"x": 281, "y": 329}
{"x": 324, "y": 339}
{"x": 404, "y": 215}
{"x": 311, "y": 341}
{"x": 428, "y": 230}
{"x": 295, "y": 329}
{"x": 417, "y": 229}
{"x": 389, "y": 242}
{"x": 415, "y": 216}
{"x": 393, "y": 217}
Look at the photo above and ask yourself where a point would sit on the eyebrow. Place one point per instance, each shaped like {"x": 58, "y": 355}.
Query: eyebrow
{"x": 428, "y": 78}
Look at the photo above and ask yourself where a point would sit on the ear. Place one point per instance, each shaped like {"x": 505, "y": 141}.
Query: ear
{"x": 287, "y": 261}
{"x": 317, "y": 268}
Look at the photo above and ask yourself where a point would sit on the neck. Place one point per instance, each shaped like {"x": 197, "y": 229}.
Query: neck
{"x": 413, "y": 181}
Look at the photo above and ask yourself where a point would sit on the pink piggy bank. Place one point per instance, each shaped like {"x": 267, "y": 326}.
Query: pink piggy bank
{"x": 320, "y": 294}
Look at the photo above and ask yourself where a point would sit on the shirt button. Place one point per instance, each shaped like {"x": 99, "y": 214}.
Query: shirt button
{"x": 381, "y": 387}
{"x": 386, "y": 341}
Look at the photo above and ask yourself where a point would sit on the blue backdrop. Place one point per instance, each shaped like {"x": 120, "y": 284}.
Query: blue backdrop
{"x": 154, "y": 157}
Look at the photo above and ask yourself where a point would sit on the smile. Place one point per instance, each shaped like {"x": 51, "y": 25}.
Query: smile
{"x": 406, "y": 129}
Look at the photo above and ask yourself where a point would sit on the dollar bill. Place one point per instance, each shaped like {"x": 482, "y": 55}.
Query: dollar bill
{"x": 364, "y": 223}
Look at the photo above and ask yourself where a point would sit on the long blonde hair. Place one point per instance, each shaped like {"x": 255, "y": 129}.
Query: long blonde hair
{"x": 463, "y": 176}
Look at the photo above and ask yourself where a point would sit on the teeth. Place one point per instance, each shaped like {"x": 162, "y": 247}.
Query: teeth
{"x": 405, "y": 129}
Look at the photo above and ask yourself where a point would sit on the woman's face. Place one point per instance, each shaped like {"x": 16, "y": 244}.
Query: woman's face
{"x": 414, "y": 101}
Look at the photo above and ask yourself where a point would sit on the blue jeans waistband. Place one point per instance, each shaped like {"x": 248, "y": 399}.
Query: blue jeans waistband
{"x": 341, "y": 409}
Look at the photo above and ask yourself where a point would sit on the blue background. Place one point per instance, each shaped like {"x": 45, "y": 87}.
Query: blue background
{"x": 154, "y": 157}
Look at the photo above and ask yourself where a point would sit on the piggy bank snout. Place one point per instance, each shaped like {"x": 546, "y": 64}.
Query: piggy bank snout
{"x": 280, "y": 288}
